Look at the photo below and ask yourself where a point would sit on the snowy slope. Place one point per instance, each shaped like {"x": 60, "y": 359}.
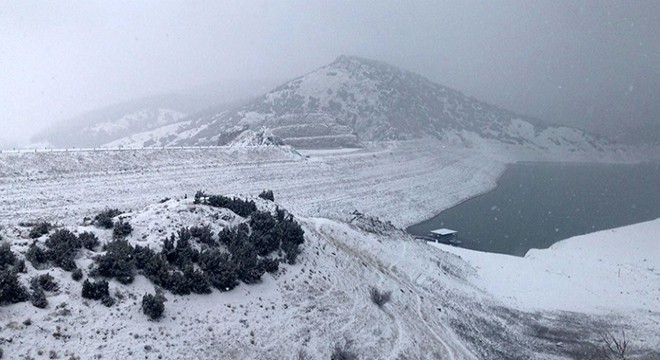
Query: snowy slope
{"x": 608, "y": 271}
{"x": 353, "y": 100}
{"x": 306, "y": 309}
{"x": 303, "y": 310}
{"x": 107, "y": 125}
{"x": 127, "y": 119}
{"x": 442, "y": 306}
{"x": 146, "y": 138}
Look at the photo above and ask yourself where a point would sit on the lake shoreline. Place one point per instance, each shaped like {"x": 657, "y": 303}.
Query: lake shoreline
{"x": 575, "y": 196}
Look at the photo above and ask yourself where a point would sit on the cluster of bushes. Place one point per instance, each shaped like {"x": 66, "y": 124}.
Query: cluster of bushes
{"x": 61, "y": 249}
{"x": 45, "y": 282}
{"x": 39, "y": 285}
{"x": 11, "y": 290}
{"x": 241, "y": 207}
{"x": 193, "y": 260}
{"x": 98, "y": 290}
{"x": 121, "y": 230}
{"x": 40, "y": 229}
{"x": 105, "y": 218}
{"x": 7, "y": 257}
{"x": 279, "y": 232}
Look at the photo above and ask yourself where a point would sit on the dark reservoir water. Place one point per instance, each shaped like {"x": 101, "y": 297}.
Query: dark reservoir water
{"x": 538, "y": 204}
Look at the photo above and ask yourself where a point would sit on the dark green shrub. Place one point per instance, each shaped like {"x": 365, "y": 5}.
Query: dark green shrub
{"x": 77, "y": 274}
{"x": 248, "y": 268}
{"x": 63, "y": 246}
{"x": 142, "y": 255}
{"x": 200, "y": 197}
{"x": 122, "y": 229}
{"x": 95, "y": 290}
{"x": 203, "y": 234}
{"x": 177, "y": 283}
{"x": 38, "y": 298}
{"x": 20, "y": 266}
{"x": 11, "y": 290}
{"x": 105, "y": 218}
{"x": 117, "y": 262}
{"x": 267, "y": 195}
{"x": 219, "y": 268}
{"x": 40, "y": 229}
{"x": 153, "y": 305}
{"x": 271, "y": 265}
{"x": 45, "y": 282}
{"x": 63, "y": 238}
{"x": 36, "y": 255}
{"x": 7, "y": 257}
{"x": 241, "y": 207}
{"x": 156, "y": 268}
{"x": 178, "y": 250}
{"x": 265, "y": 235}
{"x": 197, "y": 281}
{"x": 89, "y": 240}
{"x": 234, "y": 238}
{"x": 292, "y": 236}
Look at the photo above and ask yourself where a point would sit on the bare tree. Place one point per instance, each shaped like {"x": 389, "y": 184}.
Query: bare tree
{"x": 613, "y": 348}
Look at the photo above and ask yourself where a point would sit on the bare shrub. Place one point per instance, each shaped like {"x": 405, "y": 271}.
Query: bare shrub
{"x": 612, "y": 348}
{"x": 379, "y": 297}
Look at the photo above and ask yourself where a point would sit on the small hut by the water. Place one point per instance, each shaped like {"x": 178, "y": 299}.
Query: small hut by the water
{"x": 447, "y": 236}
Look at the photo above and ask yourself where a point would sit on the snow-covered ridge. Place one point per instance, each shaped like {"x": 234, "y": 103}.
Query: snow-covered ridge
{"x": 108, "y": 126}
{"x": 145, "y": 118}
{"x": 353, "y": 100}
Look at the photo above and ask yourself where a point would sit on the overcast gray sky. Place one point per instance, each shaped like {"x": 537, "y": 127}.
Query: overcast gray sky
{"x": 572, "y": 61}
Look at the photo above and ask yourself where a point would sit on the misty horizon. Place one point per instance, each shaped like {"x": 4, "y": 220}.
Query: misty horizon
{"x": 590, "y": 65}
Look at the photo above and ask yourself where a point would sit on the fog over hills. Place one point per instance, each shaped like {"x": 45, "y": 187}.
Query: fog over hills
{"x": 353, "y": 100}
{"x": 107, "y": 124}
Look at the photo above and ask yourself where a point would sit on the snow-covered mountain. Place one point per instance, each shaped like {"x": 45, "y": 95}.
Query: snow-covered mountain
{"x": 354, "y": 99}
{"x": 127, "y": 123}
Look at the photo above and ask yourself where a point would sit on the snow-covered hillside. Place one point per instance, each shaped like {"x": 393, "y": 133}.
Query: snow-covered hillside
{"x": 353, "y": 100}
{"x": 127, "y": 123}
{"x": 106, "y": 126}
{"x": 610, "y": 271}
{"x": 308, "y": 309}
{"x": 442, "y": 306}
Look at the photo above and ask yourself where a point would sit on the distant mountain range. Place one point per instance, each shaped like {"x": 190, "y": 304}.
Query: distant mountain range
{"x": 345, "y": 103}
{"x": 124, "y": 120}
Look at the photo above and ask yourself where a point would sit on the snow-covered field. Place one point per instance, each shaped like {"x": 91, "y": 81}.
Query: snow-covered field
{"x": 476, "y": 306}
{"x": 402, "y": 182}
{"x": 615, "y": 270}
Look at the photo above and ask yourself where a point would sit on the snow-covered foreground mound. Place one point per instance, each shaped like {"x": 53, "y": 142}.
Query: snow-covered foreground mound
{"x": 615, "y": 270}
{"x": 303, "y": 310}
{"x": 306, "y": 310}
